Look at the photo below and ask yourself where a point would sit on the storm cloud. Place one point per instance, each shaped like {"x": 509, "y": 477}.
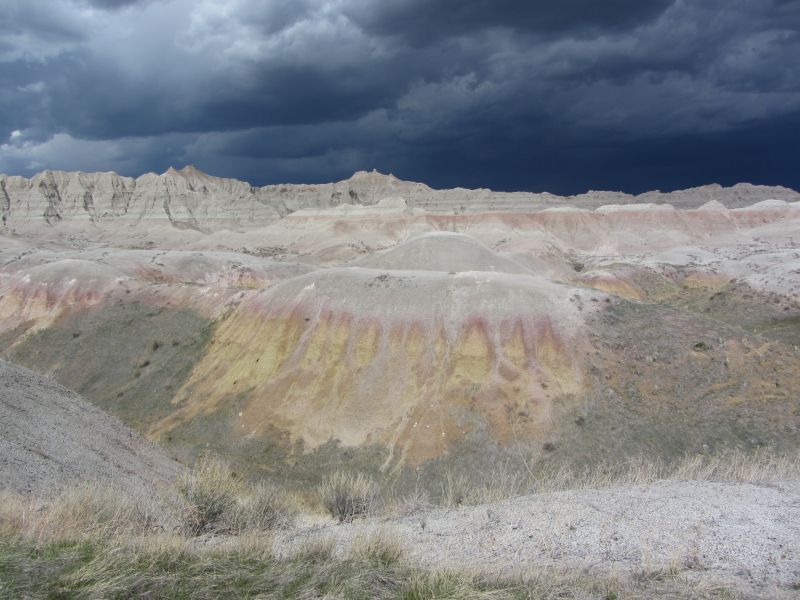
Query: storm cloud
{"x": 563, "y": 96}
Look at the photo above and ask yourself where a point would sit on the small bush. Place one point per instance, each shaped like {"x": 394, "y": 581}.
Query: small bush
{"x": 410, "y": 503}
{"x": 455, "y": 489}
{"x": 460, "y": 489}
{"x": 210, "y": 492}
{"x": 347, "y": 495}
{"x": 266, "y": 506}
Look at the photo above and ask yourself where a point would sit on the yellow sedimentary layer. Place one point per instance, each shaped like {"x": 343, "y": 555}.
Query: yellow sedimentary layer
{"x": 705, "y": 279}
{"x": 613, "y": 285}
{"x": 401, "y": 385}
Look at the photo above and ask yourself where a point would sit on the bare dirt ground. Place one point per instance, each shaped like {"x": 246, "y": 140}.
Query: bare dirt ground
{"x": 742, "y": 536}
{"x": 51, "y": 438}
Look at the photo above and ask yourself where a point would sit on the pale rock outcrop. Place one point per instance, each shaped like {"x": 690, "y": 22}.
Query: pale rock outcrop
{"x": 191, "y": 199}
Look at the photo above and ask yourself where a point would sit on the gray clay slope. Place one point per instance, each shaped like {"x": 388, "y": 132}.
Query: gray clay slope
{"x": 51, "y": 438}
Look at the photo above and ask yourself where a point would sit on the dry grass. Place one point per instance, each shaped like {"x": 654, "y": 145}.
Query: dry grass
{"x": 14, "y": 511}
{"x": 379, "y": 548}
{"x": 734, "y": 466}
{"x": 211, "y": 500}
{"x": 95, "y": 542}
{"x": 509, "y": 478}
{"x": 87, "y": 511}
{"x": 263, "y": 507}
{"x": 210, "y": 492}
{"x": 759, "y": 467}
{"x": 215, "y": 501}
{"x": 348, "y": 495}
{"x": 244, "y": 567}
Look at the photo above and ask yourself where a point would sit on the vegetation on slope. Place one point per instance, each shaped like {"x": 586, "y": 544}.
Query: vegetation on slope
{"x": 93, "y": 542}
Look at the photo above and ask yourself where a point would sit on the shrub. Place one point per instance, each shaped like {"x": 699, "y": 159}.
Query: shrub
{"x": 266, "y": 506}
{"x": 455, "y": 489}
{"x": 499, "y": 484}
{"x": 348, "y": 495}
{"x": 210, "y": 492}
{"x": 414, "y": 502}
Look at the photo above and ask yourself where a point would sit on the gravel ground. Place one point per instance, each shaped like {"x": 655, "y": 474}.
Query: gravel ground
{"x": 744, "y": 536}
{"x": 51, "y": 438}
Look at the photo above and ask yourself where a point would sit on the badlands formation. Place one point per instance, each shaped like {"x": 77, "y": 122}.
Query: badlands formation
{"x": 403, "y": 330}
{"x": 51, "y": 439}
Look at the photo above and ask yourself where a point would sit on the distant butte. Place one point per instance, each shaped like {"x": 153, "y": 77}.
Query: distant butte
{"x": 190, "y": 199}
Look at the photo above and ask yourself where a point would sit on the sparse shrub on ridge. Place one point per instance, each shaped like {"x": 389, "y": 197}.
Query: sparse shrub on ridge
{"x": 407, "y": 503}
{"x": 215, "y": 501}
{"x": 210, "y": 492}
{"x": 265, "y": 506}
{"x": 455, "y": 489}
{"x": 458, "y": 489}
{"x": 348, "y": 495}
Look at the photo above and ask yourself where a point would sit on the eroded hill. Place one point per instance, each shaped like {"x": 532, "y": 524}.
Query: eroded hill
{"x": 404, "y": 330}
{"x": 52, "y": 439}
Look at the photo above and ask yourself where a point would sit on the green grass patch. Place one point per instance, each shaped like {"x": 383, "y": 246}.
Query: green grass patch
{"x": 172, "y": 568}
{"x": 129, "y": 358}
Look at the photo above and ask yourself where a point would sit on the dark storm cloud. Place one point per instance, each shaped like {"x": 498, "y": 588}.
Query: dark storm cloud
{"x": 427, "y": 20}
{"x": 540, "y": 95}
{"x": 113, "y": 4}
{"x": 96, "y": 101}
{"x": 38, "y": 20}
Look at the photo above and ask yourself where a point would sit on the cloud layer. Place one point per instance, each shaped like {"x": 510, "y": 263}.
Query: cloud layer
{"x": 563, "y": 96}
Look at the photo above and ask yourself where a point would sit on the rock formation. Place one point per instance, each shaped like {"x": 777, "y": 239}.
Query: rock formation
{"x": 188, "y": 198}
{"x": 404, "y": 327}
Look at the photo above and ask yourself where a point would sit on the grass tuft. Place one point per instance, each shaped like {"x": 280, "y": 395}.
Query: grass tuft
{"x": 264, "y": 507}
{"x": 89, "y": 511}
{"x": 379, "y": 549}
{"x": 14, "y": 511}
{"x": 348, "y": 495}
{"x": 460, "y": 489}
{"x": 210, "y": 492}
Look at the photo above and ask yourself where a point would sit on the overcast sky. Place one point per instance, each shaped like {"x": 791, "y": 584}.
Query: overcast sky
{"x": 558, "y": 95}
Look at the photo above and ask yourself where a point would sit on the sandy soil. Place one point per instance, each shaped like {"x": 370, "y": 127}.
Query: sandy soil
{"x": 744, "y": 536}
{"x": 51, "y": 438}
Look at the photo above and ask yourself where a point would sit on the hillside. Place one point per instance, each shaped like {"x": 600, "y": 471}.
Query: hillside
{"x": 394, "y": 336}
{"x": 51, "y": 439}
